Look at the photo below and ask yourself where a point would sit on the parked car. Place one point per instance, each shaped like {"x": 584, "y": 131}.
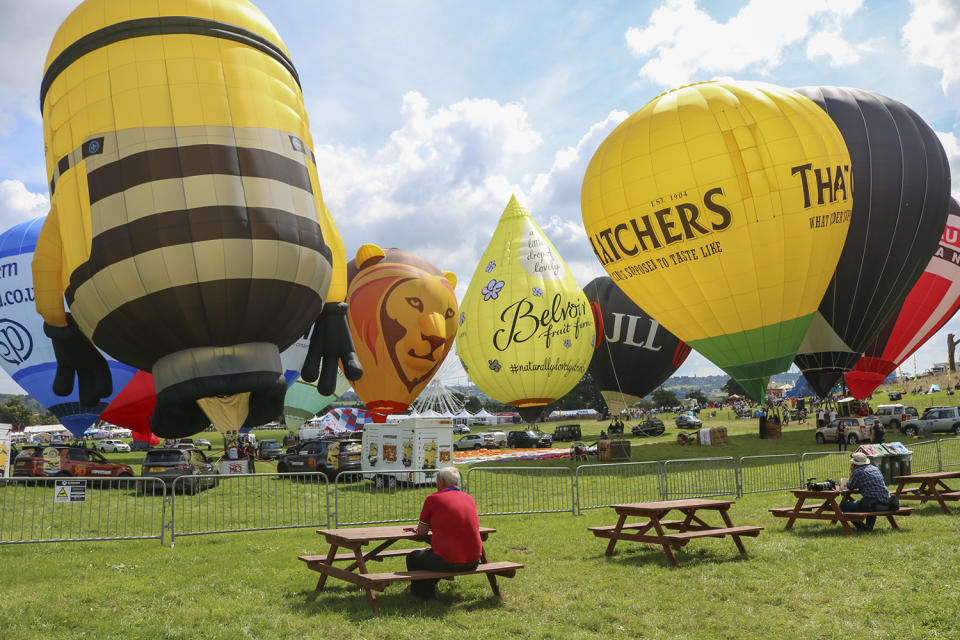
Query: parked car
{"x": 566, "y": 432}
{"x": 270, "y": 449}
{"x": 687, "y": 421}
{"x": 497, "y": 439}
{"x": 892, "y": 416}
{"x": 140, "y": 445}
{"x": 649, "y": 427}
{"x": 203, "y": 442}
{"x": 460, "y": 428}
{"x": 855, "y": 430}
{"x": 113, "y": 446}
{"x": 528, "y": 439}
{"x": 934, "y": 420}
{"x": 67, "y": 460}
{"x": 170, "y": 463}
{"x": 472, "y": 441}
{"x": 325, "y": 455}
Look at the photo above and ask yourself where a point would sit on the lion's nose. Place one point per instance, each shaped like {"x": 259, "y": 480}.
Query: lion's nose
{"x": 435, "y": 342}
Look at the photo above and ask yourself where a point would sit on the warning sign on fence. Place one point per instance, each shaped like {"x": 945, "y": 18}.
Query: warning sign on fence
{"x": 70, "y": 491}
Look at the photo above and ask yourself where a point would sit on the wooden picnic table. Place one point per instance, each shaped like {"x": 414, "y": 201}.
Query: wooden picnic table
{"x": 931, "y": 488}
{"x": 828, "y": 509}
{"x": 692, "y": 526}
{"x": 356, "y": 572}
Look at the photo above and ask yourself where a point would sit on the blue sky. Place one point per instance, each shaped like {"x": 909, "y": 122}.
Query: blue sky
{"x": 427, "y": 116}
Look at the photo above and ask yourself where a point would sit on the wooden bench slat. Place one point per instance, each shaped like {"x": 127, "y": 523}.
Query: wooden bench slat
{"x": 902, "y": 511}
{"x": 505, "y": 569}
{"x": 638, "y": 525}
{"x": 716, "y": 533}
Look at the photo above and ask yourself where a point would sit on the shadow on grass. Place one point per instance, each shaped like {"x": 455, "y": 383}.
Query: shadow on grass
{"x": 654, "y": 556}
{"x": 351, "y": 601}
{"x": 837, "y": 532}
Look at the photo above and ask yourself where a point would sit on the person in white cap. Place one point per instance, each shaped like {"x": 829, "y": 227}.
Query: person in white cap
{"x": 875, "y": 496}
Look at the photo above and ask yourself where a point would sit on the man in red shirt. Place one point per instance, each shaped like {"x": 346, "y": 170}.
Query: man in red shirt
{"x": 455, "y": 545}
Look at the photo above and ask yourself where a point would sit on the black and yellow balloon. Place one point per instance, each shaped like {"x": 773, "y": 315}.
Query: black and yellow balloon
{"x": 721, "y": 209}
{"x": 187, "y": 229}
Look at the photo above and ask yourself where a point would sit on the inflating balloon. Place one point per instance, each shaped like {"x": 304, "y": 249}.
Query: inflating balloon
{"x": 403, "y": 317}
{"x": 901, "y": 190}
{"x": 187, "y": 230}
{"x": 303, "y": 401}
{"x": 25, "y": 353}
{"x": 526, "y": 330}
{"x": 929, "y": 305}
{"x": 699, "y": 207}
{"x": 634, "y": 354}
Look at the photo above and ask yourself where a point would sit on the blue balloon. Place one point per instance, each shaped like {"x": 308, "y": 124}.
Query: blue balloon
{"x": 26, "y": 354}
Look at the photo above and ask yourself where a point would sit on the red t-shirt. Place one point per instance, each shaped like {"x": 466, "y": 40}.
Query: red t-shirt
{"x": 452, "y": 516}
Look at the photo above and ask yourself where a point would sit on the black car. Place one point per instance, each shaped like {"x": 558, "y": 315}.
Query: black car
{"x": 567, "y": 432}
{"x": 649, "y": 427}
{"x": 270, "y": 449}
{"x": 328, "y": 456}
{"x": 528, "y": 439}
{"x": 168, "y": 464}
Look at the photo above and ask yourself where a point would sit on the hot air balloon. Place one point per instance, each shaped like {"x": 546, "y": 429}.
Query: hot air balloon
{"x": 187, "y": 230}
{"x": 303, "y": 401}
{"x": 901, "y": 190}
{"x": 634, "y": 354}
{"x": 526, "y": 330}
{"x": 929, "y": 305}
{"x": 403, "y": 315}
{"x": 24, "y": 353}
{"x": 696, "y": 206}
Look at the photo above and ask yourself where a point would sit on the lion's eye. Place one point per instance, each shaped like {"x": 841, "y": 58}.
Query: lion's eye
{"x": 448, "y": 314}
{"x": 416, "y": 303}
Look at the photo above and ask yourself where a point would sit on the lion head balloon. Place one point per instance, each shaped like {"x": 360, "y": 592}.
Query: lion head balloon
{"x": 403, "y": 318}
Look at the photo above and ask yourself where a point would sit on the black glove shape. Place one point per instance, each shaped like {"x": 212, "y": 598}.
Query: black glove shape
{"x": 332, "y": 344}
{"x": 76, "y": 356}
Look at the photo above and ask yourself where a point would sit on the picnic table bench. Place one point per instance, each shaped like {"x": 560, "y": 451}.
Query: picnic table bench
{"x": 828, "y": 509}
{"x": 356, "y": 572}
{"x": 931, "y": 488}
{"x": 690, "y": 528}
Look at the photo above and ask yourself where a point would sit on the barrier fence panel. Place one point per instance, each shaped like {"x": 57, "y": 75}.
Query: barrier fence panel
{"x": 699, "y": 477}
{"x": 368, "y": 497}
{"x": 926, "y": 456}
{"x": 248, "y": 502}
{"x": 514, "y": 490}
{"x": 770, "y": 473}
{"x": 949, "y": 452}
{"x": 601, "y": 485}
{"x": 74, "y": 509}
{"x": 821, "y": 465}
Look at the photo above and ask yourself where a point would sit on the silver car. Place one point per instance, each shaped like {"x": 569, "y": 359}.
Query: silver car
{"x": 170, "y": 464}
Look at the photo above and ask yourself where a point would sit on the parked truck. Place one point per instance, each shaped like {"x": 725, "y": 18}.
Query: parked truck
{"x": 407, "y": 453}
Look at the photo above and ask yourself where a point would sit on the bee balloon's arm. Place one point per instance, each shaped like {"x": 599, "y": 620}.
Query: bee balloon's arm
{"x": 76, "y": 356}
{"x": 331, "y": 345}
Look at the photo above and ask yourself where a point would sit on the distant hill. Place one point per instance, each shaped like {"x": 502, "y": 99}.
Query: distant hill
{"x": 28, "y": 402}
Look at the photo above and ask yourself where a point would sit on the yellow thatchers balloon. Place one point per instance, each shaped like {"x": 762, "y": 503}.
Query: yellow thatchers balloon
{"x": 526, "y": 330}
{"x": 721, "y": 209}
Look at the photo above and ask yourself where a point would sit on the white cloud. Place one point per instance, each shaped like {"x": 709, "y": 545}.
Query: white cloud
{"x": 18, "y": 204}
{"x": 682, "y": 41}
{"x": 932, "y": 37}
{"x": 951, "y": 144}
{"x": 830, "y": 44}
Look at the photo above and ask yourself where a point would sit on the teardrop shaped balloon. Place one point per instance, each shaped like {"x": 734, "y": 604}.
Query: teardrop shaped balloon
{"x": 929, "y": 305}
{"x": 634, "y": 354}
{"x": 695, "y": 207}
{"x": 303, "y": 401}
{"x": 25, "y": 352}
{"x": 526, "y": 330}
{"x": 403, "y": 317}
{"x": 901, "y": 191}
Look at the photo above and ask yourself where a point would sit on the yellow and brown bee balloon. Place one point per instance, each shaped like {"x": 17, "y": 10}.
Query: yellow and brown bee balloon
{"x": 187, "y": 230}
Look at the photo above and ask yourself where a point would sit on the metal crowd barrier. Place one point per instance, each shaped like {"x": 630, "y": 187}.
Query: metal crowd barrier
{"x": 699, "y": 477}
{"x": 601, "y": 485}
{"x": 371, "y": 497}
{"x": 825, "y": 464}
{"x": 926, "y": 456}
{"x": 516, "y": 490}
{"x": 769, "y": 473}
{"x": 249, "y": 502}
{"x": 949, "y": 452}
{"x": 75, "y": 509}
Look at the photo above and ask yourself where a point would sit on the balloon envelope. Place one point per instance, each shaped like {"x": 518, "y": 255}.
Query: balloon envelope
{"x": 25, "y": 352}
{"x": 695, "y": 205}
{"x": 526, "y": 330}
{"x": 634, "y": 354}
{"x": 901, "y": 190}
{"x": 929, "y": 305}
{"x": 303, "y": 401}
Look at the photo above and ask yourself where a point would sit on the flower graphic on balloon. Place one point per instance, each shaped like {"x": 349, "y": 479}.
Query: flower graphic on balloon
{"x": 491, "y": 266}
{"x": 463, "y": 317}
{"x": 495, "y": 365}
{"x": 567, "y": 343}
{"x": 492, "y": 290}
{"x": 537, "y": 291}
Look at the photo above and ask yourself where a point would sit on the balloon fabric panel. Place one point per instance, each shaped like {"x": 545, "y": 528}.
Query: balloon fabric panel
{"x": 695, "y": 207}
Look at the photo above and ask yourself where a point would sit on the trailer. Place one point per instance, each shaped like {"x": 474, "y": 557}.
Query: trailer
{"x": 407, "y": 453}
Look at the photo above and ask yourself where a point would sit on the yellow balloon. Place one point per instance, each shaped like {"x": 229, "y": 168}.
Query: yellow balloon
{"x": 721, "y": 209}
{"x": 526, "y": 330}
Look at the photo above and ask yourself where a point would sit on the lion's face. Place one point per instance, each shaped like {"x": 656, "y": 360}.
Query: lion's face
{"x": 419, "y": 325}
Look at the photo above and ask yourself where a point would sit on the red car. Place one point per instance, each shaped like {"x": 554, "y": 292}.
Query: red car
{"x": 63, "y": 460}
